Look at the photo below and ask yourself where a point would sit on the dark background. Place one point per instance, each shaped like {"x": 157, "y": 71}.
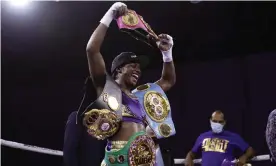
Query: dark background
{"x": 224, "y": 54}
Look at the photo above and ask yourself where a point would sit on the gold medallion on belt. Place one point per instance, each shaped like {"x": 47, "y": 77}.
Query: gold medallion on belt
{"x": 142, "y": 151}
{"x": 143, "y": 87}
{"x": 156, "y": 106}
{"x": 101, "y": 123}
{"x": 111, "y": 101}
{"x": 130, "y": 19}
{"x": 165, "y": 129}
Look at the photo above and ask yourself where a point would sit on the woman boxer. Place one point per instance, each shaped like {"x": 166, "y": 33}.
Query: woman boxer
{"x": 117, "y": 114}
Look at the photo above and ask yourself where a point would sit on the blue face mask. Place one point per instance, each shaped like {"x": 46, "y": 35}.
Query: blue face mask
{"x": 216, "y": 127}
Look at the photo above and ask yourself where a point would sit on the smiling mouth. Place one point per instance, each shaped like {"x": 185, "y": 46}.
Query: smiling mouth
{"x": 135, "y": 76}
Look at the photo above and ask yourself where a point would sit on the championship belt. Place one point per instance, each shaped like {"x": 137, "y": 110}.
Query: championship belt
{"x": 134, "y": 25}
{"x": 101, "y": 123}
{"x": 102, "y": 117}
{"x": 142, "y": 151}
{"x": 157, "y": 109}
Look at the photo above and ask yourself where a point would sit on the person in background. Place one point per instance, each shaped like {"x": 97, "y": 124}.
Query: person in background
{"x": 218, "y": 144}
{"x": 271, "y": 135}
{"x": 80, "y": 149}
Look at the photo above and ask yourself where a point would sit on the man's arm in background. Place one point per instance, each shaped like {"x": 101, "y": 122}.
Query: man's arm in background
{"x": 189, "y": 158}
{"x": 248, "y": 151}
{"x": 71, "y": 141}
{"x": 192, "y": 154}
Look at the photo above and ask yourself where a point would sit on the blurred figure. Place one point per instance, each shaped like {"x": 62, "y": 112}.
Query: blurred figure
{"x": 217, "y": 145}
{"x": 271, "y": 134}
{"x": 80, "y": 149}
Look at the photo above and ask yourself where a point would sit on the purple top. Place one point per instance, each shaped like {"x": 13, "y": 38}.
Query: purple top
{"x": 217, "y": 147}
{"x": 134, "y": 108}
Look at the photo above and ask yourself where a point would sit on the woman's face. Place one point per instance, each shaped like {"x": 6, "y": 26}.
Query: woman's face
{"x": 130, "y": 74}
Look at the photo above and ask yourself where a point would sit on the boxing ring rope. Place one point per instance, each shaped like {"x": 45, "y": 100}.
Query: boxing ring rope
{"x": 60, "y": 153}
{"x": 31, "y": 148}
{"x": 198, "y": 161}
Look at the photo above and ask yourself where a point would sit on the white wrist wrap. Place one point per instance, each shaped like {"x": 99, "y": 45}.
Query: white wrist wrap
{"x": 107, "y": 18}
{"x": 167, "y": 56}
{"x": 109, "y": 15}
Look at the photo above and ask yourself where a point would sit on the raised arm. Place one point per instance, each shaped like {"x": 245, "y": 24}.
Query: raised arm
{"x": 95, "y": 60}
{"x": 168, "y": 77}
